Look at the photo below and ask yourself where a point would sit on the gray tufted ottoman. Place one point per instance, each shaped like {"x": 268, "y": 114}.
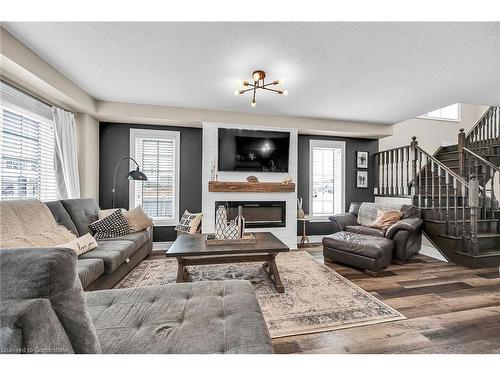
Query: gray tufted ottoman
{"x": 370, "y": 253}
{"x": 200, "y": 317}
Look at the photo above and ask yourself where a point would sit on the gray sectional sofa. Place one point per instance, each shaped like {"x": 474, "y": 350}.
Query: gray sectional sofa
{"x": 104, "y": 266}
{"x": 44, "y": 309}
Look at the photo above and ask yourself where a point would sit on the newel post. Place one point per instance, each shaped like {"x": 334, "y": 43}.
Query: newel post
{"x": 474, "y": 212}
{"x": 461, "y": 152}
{"x": 414, "y": 157}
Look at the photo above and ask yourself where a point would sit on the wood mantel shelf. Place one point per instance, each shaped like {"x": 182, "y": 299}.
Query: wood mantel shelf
{"x": 253, "y": 187}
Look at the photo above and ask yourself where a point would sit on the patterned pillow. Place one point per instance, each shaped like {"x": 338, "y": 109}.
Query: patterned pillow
{"x": 189, "y": 222}
{"x": 111, "y": 226}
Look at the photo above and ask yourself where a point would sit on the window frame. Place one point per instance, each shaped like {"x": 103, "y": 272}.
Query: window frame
{"x": 36, "y": 117}
{"x": 446, "y": 119}
{"x": 326, "y": 144}
{"x": 157, "y": 134}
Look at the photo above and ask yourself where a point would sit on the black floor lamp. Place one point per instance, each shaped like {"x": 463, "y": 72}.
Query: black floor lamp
{"x": 135, "y": 175}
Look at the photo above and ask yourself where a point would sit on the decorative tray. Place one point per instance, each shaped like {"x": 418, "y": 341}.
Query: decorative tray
{"x": 247, "y": 238}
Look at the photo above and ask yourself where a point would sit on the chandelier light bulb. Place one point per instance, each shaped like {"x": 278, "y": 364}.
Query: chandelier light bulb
{"x": 236, "y": 93}
{"x": 281, "y": 81}
{"x": 246, "y": 83}
{"x": 253, "y": 104}
{"x": 285, "y": 92}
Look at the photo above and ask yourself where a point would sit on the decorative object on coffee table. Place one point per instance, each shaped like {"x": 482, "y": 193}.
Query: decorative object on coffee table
{"x": 193, "y": 251}
{"x": 134, "y": 175}
{"x": 232, "y": 231}
{"x": 220, "y": 222}
{"x": 300, "y": 211}
{"x": 247, "y": 238}
{"x": 362, "y": 179}
{"x": 304, "y": 237}
{"x": 362, "y": 159}
{"x": 252, "y": 179}
{"x": 240, "y": 222}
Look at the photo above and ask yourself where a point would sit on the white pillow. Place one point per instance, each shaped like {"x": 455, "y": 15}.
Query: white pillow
{"x": 81, "y": 245}
{"x": 105, "y": 213}
{"x": 189, "y": 222}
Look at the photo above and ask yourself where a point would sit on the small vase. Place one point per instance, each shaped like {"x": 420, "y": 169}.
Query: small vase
{"x": 232, "y": 231}
{"x": 240, "y": 222}
{"x": 300, "y": 211}
{"x": 220, "y": 223}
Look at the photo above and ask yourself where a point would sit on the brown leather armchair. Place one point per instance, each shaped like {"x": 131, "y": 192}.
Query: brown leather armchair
{"x": 406, "y": 233}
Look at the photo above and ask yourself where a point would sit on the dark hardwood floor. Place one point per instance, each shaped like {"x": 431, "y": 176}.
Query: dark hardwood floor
{"x": 450, "y": 309}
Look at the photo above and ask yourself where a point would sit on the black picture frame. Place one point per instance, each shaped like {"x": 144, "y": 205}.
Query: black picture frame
{"x": 362, "y": 158}
{"x": 362, "y": 179}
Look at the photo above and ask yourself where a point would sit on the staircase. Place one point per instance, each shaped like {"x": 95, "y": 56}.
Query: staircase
{"x": 456, "y": 189}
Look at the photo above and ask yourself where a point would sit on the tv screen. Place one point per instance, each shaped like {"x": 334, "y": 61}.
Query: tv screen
{"x": 253, "y": 150}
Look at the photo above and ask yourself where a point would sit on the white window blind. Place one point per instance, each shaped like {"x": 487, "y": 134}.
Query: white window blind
{"x": 449, "y": 113}
{"x": 26, "y": 150}
{"x": 326, "y": 178}
{"x": 156, "y": 152}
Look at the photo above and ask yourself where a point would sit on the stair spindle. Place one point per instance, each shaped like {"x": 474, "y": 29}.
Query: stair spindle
{"x": 447, "y": 183}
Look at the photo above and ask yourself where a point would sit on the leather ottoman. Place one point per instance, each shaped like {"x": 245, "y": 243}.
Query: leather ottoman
{"x": 370, "y": 253}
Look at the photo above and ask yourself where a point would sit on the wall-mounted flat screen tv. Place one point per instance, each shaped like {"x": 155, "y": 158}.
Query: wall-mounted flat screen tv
{"x": 253, "y": 150}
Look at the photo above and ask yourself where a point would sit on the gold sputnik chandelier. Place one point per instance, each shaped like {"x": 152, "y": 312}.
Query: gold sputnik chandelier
{"x": 259, "y": 84}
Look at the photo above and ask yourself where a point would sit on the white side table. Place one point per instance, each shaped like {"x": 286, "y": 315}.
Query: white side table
{"x": 304, "y": 237}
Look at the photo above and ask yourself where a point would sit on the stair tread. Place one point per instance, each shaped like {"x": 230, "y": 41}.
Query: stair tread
{"x": 479, "y": 235}
{"x": 482, "y": 253}
{"x": 460, "y": 220}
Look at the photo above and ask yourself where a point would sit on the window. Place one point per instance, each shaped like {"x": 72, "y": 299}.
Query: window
{"x": 326, "y": 180}
{"x": 449, "y": 113}
{"x": 26, "y": 147}
{"x": 157, "y": 152}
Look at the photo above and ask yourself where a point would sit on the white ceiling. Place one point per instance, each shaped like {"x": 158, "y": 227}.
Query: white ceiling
{"x": 373, "y": 72}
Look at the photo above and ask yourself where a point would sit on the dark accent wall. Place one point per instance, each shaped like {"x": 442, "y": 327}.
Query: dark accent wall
{"x": 114, "y": 145}
{"x": 352, "y": 193}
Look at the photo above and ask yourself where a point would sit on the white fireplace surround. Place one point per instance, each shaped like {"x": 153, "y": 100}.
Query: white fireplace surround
{"x": 286, "y": 234}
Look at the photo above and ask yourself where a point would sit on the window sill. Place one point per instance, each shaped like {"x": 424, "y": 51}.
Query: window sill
{"x": 165, "y": 223}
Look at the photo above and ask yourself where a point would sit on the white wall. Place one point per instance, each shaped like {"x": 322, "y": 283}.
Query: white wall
{"x": 87, "y": 136}
{"x": 431, "y": 134}
{"x": 287, "y": 234}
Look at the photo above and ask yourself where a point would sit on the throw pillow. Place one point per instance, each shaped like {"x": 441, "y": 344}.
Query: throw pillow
{"x": 385, "y": 219}
{"x": 111, "y": 226}
{"x": 102, "y": 214}
{"x": 137, "y": 219}
{"x": 189, "y": 222}
{"x": 81, "y": 245}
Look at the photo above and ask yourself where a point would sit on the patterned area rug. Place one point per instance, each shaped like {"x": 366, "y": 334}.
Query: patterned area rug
{"x": 316, "y": 298}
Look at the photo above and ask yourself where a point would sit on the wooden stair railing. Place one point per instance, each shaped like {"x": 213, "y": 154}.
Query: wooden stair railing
{"x": 484, "y": 135}
{"x": 487, "y": 175}
{"x": 411, "y": 172}
{"x": 475, "y": 148}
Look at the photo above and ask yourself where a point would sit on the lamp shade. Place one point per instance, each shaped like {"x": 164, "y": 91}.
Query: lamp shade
{"x": 136, "y": 175}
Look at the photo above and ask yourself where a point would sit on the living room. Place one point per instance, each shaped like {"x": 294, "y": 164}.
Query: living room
{"x": 221, "y": 187}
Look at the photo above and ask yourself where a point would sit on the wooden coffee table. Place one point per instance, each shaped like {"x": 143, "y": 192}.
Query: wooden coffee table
{"x": 191, "y": 250}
